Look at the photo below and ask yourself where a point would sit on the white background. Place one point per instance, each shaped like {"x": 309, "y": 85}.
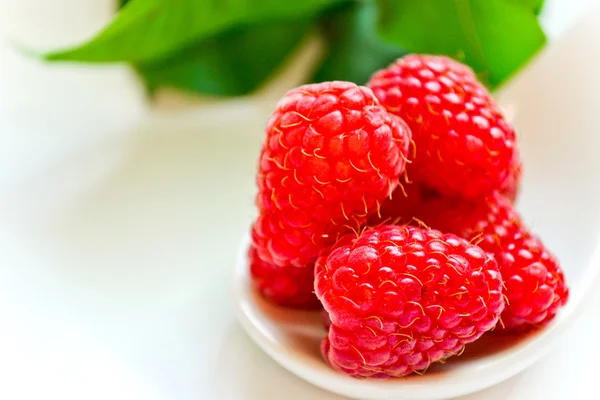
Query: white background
{"x": 119, "y": 227}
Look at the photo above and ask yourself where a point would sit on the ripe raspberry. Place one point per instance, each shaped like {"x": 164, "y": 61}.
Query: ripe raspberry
{"x": 287, "y": 286}
{"x": 464, "y": 146}
{"x": 399, "y": 208}
{"x": 512, "y": 186}
{"x": 331, "y": 155}
{"x": 400, "y": 298}
{"x": 535, "y": 283}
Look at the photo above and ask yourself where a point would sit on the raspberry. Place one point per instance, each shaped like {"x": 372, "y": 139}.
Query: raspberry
{"x": 404, "y": 205}
{"x": 287, "y": 286}
{"x": 512, "y": 186}
{"x": 399, "y": 207}
{"x": 464, "y": 146}
{"x": 332, "y": 153}
{"x": 400, "y": 298}
{"x": 535, "y": 284}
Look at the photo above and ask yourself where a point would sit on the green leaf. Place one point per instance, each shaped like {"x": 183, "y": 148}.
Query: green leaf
{"x": 494, "y": 37}
{"x": 147, "y": 30}
{"x": 230, "y": 64}
{"x": 354, "y": 49}
{"x": 534, "y": 5}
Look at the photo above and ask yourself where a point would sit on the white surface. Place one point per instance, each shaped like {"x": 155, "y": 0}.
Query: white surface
{"x": 50, "y": 112}
{"x": 116, "y": 264}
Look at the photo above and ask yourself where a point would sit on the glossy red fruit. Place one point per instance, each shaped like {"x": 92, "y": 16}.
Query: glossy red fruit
{"x": 464, "y": 146}
{"x": 400, "y": 298}
{"x": 399, "y": 207}
{"x": 331, "y": 155}
{"x": 535, "y": 283}
{"x": 287, "y": 286}
{"x": 512, "y": 186}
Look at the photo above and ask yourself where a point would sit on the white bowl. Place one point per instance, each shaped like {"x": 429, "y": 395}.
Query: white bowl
{"x": 553, "y": 105}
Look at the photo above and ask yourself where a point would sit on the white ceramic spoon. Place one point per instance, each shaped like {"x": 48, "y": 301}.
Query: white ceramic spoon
{"x": 554, "y": 107}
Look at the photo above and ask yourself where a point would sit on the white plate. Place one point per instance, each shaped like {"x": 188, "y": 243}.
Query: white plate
{"x": 553, "y": 105}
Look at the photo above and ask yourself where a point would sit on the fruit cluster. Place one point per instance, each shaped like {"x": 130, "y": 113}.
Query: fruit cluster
{"x": 391, "y": 207}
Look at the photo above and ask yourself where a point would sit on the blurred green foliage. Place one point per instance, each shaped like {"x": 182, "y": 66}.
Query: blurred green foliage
{"x": 232, "y": 47}
{"x": 494, "y": 37}
{"x": 354, "y": 50}
{"x": 533, "y": 5}
{"x": 229, "y": 64}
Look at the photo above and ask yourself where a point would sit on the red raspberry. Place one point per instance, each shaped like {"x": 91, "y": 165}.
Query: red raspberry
{"x": 287, "y": 286}
{"x": 512, "y": 186}
{"x": 464, "y": 146}
{"x": 400, "y": 298}
{"x": 399, "y": 207}
{"x": 332, "y": 153}
{"x": 404, "y": 205}
{"x": 535, "y": 283}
